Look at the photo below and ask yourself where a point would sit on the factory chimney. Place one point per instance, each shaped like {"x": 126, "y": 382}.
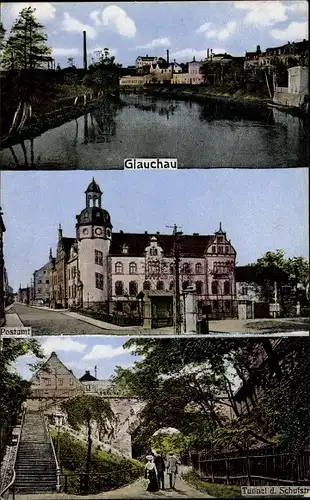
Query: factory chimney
{"x": 84, "y": 51}
{"x": 96, "y": 371}
{"x": 167, "y": 56}
{"x": 208, "y": 53}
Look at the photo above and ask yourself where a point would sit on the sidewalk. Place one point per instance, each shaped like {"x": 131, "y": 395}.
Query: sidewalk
{"x": 12, "y": 320}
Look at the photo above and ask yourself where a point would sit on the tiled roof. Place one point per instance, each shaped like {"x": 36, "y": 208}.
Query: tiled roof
{"x": 190, "y": 245}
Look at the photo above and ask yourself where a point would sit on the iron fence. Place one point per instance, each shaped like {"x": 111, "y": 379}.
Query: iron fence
{"x": 266, "y": 467}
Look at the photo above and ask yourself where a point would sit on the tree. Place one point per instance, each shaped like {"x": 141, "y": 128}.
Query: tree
{"x": 188, "y": 385}
{"x": 71, "y": 62}
{"x": 2, "y": 35}
{"x": 290, "y": 277}
{"x": 13, "y": 389}
{"x": 26, "y": 45}
{"x": 87, "y": 410}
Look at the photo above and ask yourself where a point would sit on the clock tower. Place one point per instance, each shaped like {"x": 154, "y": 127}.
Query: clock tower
{"x": 94, "y": 234}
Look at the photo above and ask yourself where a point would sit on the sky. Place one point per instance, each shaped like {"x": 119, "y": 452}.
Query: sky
{"x": 187, "y": 29}
{"x": 82, "y": 353}
{"x": 260, "y": 210}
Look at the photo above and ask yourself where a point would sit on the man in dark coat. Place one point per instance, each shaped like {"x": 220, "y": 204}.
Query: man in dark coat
{"x": 160, "y": 466}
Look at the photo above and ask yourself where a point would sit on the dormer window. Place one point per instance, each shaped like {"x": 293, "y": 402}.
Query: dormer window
{"x": 153, "y": 251}
{"x": 125, "y": 249}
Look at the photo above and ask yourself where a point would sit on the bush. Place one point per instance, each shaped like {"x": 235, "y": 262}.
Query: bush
{"x": 116, "y": 471}
{"x": 212, "y": 489}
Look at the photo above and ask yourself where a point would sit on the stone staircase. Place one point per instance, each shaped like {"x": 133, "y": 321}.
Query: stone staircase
{"x": 35, "y": 465}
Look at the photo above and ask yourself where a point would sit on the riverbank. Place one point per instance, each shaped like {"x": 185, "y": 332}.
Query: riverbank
{"x": 56, "y": 113}
{"x": 206, "y": 94}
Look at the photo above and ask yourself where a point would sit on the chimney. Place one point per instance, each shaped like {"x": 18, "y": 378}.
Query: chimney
{"x": 168, "y": 56}
{"x": 208, "y": 53}
{"x": 121, "y": 231}
{"x": 96, "y": 371}
{"x": 59, "y": 232}
{"x": 84, "y": 51}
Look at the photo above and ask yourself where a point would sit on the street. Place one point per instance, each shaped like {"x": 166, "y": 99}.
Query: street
{"x": 45, "y": 322}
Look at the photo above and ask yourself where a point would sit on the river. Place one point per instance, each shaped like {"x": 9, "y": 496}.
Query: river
{"x": 199, "y": 135}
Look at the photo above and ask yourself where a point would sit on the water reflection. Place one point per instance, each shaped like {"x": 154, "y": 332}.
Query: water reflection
{"x": 200, "y": 135}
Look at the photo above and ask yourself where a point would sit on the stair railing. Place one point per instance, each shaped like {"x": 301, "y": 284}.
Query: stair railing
{"x": 54, "y": 453}
{"x": 11, "y": 484}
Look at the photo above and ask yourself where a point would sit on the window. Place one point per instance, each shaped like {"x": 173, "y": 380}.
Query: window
{"x": 154, "y": 267}
{"x": 226, "y": 288}
{"x": 244, "y": 290}
{"x": 213, "y": 249}
{"x": 119, "y": 268}
{"x": 47, "y": 282}
{"x": 171, "y": 267}
{"x": 39, "y": 290}
{"x": 220, "y": 239}
{"x": 227, "y": 305}
{"x": 153, "y": 251}
{"x": 220, "y": 249}
{"x": 125, "y": 249}
{"x": 69, "y": 273}
{"x": 40, "y": 281}
{"x": 198, "y": 268}
{"x": 226, "y": 249}
{"x": 214, "y": 288}
{"x": 133, "y": 306}
{"x": 60, "y": 381}
{"x": 108, "y": 233}
{"x": 133, "y": 288}
{"x": 119, "y": 288}
{"x": 186, "y": 267}
{"x": 146, "y": 285}
{"x": 215, "y": 304}
{"x": 73, "y": 273}
{"x": 119, "y": 306}
{"x": 185, "y": 285}
{"x": 199, "y": 287}
{"x": 71, "y": 382}
{"x": 160, "y": 285}
{"x": 74, "y": 291}
{"x": 132, "y": 268}
{"x": 69, "y": 292}
{"x": 99, "y": 281}
{"x": 98, "y": 258}
{"x": 171, "y": 286}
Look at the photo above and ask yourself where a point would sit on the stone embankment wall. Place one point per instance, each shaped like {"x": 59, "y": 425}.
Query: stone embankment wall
{"x": 284, "y": 98}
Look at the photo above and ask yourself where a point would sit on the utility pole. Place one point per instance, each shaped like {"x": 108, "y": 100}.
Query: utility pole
{"x": 177, "y": 301}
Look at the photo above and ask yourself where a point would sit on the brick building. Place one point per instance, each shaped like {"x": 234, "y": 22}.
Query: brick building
{"x": 110, "y": 271}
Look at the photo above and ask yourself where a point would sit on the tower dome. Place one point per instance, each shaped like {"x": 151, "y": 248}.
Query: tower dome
{"x": 94, "y": 214}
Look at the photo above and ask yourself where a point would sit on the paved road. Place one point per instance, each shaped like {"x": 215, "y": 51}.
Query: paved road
{"x": 136, "y": 490}
{"x": 44, "y": 322}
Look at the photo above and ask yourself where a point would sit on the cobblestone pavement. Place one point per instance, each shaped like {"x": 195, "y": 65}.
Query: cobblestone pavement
{"x": 136, "y": 490}
{"x": 44, "y": 322}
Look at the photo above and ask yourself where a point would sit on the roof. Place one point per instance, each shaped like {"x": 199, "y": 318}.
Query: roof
{"x": 146, "y": 58}
{"x": 87, "y": 377}
{"x": 93, "y": 187}
{"x": 159, "y": 293}
{"x": 2, "y": 226}
{"x": 246, "y": 274}
{"x": 190, "y": 245}
{"x": 67, "y": 243}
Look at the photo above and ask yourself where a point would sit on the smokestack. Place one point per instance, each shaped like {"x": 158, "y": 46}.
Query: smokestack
{"x": 208, "y": 53}
{"x": 84, "y": 51}
{"x": 168, "y": 56}
{"x": 96, "y": 371}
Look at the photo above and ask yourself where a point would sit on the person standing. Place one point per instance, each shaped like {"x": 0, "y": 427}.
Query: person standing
{"x": 161, "y": 467}
{"x": 151, "y": 474}
{"x": 172, "y": 469}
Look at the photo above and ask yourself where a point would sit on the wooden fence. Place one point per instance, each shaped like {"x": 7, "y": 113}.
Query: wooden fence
{"x": 257, "y": 467}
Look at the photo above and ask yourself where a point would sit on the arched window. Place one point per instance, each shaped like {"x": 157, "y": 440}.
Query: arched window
{"x": 119, "y": 288}
{"x": 132, "y": 268}
{"x": 119, "y": 268}
{"x": 160, "y": 285}
{"x": 153, "y": 251}
{"x": 133, "y": 288}
{"x": 185, "y": 267}
{"x": 171, "y": 286}
{"x": 226, "y": 288}
{"x": 171, "y": 267}
{"x": 198, "y": 268}
{"x": 199, "y": 287}
{"x": 185, "y": 285}
{"x": 146, "y": 285}
{"x": 214, "y": 288}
